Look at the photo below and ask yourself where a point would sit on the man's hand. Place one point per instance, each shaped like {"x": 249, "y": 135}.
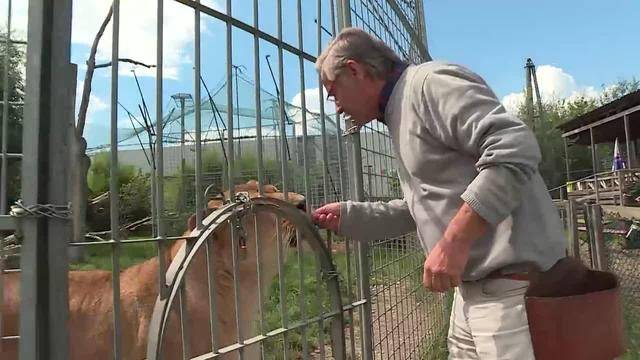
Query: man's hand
{"x": 445, "y": 263}
{"x": 328, "y": 217}
{"x": 444, "y": 266}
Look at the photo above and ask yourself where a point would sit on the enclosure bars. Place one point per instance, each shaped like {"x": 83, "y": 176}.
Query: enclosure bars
{"x": 5, "y": 123}
{"x": 4, "y": 167}
{"x": 49, "y": 91}
{"x": 361, "y": 248}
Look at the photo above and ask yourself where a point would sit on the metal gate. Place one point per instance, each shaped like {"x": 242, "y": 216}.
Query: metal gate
{"x": 251, "y": 109}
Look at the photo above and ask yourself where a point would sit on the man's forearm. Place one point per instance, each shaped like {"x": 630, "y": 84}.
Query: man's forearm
{"x": 465, "y": 227}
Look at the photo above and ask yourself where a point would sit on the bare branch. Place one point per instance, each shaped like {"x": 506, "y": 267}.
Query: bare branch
{"x": 88, "y": 77}
{"x": 131, "y": 61}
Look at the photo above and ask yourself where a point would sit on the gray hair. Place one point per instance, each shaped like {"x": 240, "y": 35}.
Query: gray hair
{"x": 356, "y": 44}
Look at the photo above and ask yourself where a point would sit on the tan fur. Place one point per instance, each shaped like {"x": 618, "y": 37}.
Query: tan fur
{"x": 91, "y": 296}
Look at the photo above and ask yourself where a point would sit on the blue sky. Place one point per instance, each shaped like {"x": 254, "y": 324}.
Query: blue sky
{"x": 577, "y": 45}
{"x": 594, "y": 42}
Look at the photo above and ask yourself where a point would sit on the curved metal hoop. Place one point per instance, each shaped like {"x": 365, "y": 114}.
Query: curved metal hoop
{"x": 177, "y": 270}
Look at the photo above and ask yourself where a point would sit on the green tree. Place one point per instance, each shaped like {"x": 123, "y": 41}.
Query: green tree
{"x": 16, "y": 58}
{"x": 100, "y": 174}
{"x": 552, "y": 166}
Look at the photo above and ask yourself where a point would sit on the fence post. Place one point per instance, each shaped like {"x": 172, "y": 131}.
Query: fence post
{"x": 596, "y": 237}
{"x": 621, "y": 186}
{"x": 598, "y": 233}
{"x": 45, "y": 168}
{"x": 572, "y": 227}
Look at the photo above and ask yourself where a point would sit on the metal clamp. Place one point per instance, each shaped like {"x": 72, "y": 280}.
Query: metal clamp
{"x": 239, "y": 229}
{"x": 352, "y": 130}
{"x": 19, "y": 210}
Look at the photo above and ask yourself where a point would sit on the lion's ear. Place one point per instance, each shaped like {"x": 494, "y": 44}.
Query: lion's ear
{"x": 191, "y": 222}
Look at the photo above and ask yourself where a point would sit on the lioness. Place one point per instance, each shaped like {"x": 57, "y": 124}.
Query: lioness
{"x": 91, "y": 300}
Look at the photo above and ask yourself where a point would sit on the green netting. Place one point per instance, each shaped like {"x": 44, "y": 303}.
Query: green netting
{"x": 214, "y": 115}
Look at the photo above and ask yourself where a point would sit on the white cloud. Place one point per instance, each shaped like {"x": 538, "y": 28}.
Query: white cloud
{"x": 312, "y": 101}
{"x": 554, "y": 84}
{"x": 138, "y": 32}
{"x": 19, "y": 11}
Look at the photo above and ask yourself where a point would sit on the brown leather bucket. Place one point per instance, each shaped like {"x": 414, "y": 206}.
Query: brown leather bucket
{"x": 575, "y": 313}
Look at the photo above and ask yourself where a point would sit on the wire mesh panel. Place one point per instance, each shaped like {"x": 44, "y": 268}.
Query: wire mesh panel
{"x": 611, "y": 243}
{"x": 407, "y": 321}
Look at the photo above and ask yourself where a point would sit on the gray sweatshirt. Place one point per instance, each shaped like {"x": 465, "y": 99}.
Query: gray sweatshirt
{"x": 454, "y": 142}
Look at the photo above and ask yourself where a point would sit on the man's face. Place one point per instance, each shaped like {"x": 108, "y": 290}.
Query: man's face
{"x": 353, "y": 94}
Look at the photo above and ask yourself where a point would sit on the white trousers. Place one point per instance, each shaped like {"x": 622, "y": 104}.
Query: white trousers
{"x": 489, "y": 321}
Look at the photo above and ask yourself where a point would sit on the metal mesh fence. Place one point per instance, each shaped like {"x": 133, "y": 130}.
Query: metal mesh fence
{"x": 622, "y": 253}
{"x": 161, "y": 147}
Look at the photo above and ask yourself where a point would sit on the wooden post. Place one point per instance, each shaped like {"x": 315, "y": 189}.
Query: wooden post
{"x": 631, "y": 156}
{"x": 596, "y": 237}
{"x": 594, "y": 160}
{"x": 572, "y": 225}
{"x": 621, "y": 186}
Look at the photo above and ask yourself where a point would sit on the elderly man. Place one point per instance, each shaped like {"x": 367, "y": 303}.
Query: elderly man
{"x": 472, "y": 190}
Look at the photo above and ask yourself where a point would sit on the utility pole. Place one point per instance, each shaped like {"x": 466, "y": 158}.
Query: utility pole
{"x": 532, "y": 85}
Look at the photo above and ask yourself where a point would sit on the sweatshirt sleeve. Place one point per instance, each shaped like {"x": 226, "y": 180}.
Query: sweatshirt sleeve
{"x": 375, "y": 220}
{"x": 467, "y": 116}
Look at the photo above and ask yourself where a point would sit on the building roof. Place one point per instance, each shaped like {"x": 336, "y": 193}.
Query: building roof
{"x": 606, "y": 132}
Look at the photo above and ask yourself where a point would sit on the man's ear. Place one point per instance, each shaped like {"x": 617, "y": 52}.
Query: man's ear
{"x": 355, "y": 68}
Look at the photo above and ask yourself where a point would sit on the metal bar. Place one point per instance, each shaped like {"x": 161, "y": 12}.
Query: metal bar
{"x": 259, "y": 274}
{"x": 303, "y": 314}
{"x": 43, "y": 308}
{"x": 200, "y": 201}
{"x": 211, "y": 281}
{"x": 5, "y": 120}
{"x": 113, "y": 183}
{"x": 323, "y": 128}
{"x": 184, "y": 322}
{"x": 627, "y": 138}
{"x": 231, "y": 153}
{"x": 320, "y": 323}
{"x": 11, "y": 156}
{"x": 282, "y": 288}
{"x": 361, "y": 250}
{"x": 256, "y": 63}
{"x": 160, "y": 153}
{"x": 283, "y": 115}
{"x": 603, "y": 121}
{"x": 235, "y": 244}
{"x": 246, "y": 27}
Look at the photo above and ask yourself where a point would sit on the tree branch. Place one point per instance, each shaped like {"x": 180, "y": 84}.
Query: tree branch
{"x": 88, "y": 77}
{"x": 131, "y": 61}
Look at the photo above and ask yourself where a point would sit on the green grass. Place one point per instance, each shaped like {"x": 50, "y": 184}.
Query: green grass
{"x": 632, "y": 331}
{"x": 313, "y": 295}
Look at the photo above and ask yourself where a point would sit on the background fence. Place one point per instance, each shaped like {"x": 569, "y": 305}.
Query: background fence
{"x": 606, "y": 241}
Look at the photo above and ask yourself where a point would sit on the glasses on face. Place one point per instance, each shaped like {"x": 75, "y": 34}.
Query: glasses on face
{"x": 330, "y": 96}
